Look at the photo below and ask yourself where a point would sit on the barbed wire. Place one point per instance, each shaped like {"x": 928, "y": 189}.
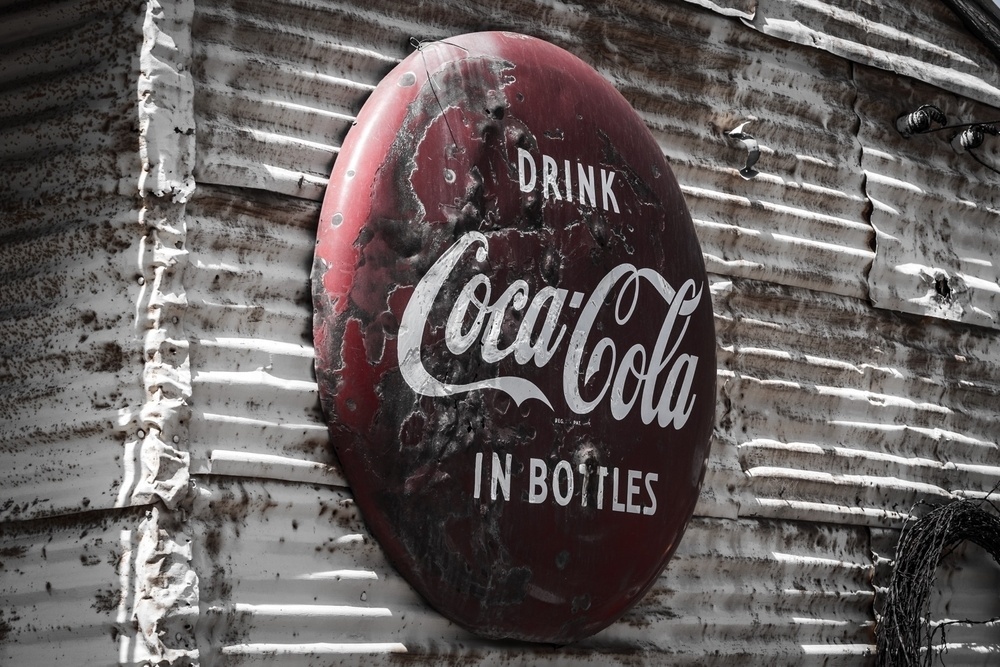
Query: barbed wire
{"x": 904, "y": 634}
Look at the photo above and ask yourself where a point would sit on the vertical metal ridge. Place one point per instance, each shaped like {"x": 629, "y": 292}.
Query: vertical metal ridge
{"x": 161, "y": 585}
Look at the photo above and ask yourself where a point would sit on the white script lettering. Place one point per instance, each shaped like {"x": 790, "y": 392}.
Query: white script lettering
{"x": 628, "y": 379}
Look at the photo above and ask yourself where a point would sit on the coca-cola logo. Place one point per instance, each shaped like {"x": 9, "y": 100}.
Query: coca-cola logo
{"x": 633, "y": 376}
{"x": 514, "y": 337}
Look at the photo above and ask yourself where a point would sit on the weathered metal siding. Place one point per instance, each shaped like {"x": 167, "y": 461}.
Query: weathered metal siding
{"x": 930, "y": 203}
{"x": 68, "y": 351}
{"x": 933, "y": 210}
{"x": 921, "y": 40}
{"x": 834, "y": 416}
{"x": 91, "y": 188}
{"x": 293, "y": 585}
{"x": 825, "y": 429}
{"x": 65, "y": 587}
{"x": 249, "y": 322}
{"x": 762, "y": 589}
{"x": 69, "y": 288}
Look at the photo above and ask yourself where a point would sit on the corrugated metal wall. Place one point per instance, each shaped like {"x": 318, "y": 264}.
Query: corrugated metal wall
{"x": 67, "y": 254}
{"x": 840, "y": 404}
{"x": 69, "y": 238}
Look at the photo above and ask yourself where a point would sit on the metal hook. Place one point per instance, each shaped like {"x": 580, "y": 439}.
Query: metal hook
{"x": 753, "y": 149}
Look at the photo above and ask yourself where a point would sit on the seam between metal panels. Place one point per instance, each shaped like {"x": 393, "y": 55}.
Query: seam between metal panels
{"x": 160, "y": 586}
{"x": 166, "y": 145}
{"x": 860, "y": 154}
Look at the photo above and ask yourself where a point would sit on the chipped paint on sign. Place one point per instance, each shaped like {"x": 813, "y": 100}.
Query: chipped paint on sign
{"x": 514, "y": 337}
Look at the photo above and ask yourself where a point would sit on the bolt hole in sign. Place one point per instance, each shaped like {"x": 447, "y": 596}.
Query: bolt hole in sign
{"x": 514, "y": 337}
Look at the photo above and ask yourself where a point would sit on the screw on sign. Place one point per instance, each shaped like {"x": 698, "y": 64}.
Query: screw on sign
{"x": 514, "y": 337}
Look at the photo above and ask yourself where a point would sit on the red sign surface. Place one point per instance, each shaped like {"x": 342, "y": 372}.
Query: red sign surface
{"x": 514, "y": 337}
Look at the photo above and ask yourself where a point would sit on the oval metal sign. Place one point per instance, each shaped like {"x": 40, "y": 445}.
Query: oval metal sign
{"x": 514, "y": 337}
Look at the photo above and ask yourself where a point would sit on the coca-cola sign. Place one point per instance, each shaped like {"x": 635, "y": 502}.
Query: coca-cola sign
{"x": 514, "y": 337}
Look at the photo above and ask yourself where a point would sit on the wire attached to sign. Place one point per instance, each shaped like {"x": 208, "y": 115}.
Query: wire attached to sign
{"x": 419, "y": 46}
